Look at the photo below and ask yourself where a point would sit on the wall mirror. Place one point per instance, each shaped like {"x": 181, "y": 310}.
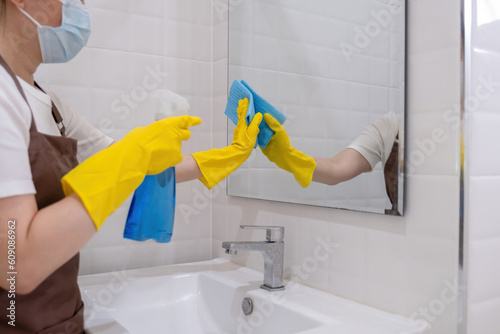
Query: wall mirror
{"x": 334, "y": 68}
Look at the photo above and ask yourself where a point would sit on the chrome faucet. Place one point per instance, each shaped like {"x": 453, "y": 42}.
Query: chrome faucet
{"x": 272, "y": 249}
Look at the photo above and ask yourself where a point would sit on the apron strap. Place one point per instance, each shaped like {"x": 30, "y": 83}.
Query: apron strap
{"x": 56, "y": 114}
{"x": 391, "y": 177}
{"x": 18, "y": 84}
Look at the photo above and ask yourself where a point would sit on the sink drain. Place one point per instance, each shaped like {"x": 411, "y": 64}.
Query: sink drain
{"x": 247, "y": 306}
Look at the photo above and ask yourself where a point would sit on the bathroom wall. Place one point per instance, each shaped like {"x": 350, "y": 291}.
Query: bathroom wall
{"x": 482, "y": 176}
{"x": 405, "y": 265}
{"x": 135, "y": 47}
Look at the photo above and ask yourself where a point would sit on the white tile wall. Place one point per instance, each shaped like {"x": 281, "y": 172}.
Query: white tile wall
{"x": 401, "y": 264}
{"x": 483, "y": 169}
{"x": 168, "y": 44}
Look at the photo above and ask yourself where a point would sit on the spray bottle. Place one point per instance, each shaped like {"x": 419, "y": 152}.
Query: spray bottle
{"x": 152, "y": 211}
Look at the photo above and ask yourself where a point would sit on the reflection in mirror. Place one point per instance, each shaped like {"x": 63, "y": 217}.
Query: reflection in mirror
{"x": 336, "y": 69}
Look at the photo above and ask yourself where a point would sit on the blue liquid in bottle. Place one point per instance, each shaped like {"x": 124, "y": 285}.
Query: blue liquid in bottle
{"x": 152, "y": 211}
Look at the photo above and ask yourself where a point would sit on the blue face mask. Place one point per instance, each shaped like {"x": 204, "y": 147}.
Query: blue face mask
{"x": 61, "y": 44}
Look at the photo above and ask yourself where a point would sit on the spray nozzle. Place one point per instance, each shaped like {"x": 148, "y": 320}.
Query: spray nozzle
{"x": 168, "y": 104}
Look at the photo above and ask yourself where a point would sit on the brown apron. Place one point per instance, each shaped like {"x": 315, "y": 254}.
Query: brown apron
{"x": 55, "y": 306}
{"x": 391, "y": 175}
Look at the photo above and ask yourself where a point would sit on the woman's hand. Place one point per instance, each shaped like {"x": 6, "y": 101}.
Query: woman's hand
{"x": 105, "y": 180}
{"x": 216, "y": 164}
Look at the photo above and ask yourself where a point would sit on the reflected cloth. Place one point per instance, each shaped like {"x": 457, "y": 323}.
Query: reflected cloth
{"x": 240, "y": 90}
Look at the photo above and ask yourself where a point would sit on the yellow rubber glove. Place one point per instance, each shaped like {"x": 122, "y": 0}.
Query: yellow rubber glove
{"x": 105, "y": 180}
{"x": 217, "y": 164}
{"x": 280, "y": 151}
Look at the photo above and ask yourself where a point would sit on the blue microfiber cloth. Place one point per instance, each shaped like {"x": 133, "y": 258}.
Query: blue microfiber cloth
{"x": 240, "y": 90}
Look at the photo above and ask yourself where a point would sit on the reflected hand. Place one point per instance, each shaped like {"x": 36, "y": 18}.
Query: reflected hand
{"x": 280, "y": 151}
{"x": 217, "y": 164}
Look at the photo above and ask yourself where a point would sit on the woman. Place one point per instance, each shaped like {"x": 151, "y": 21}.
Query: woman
{"x": 49, "y": 205}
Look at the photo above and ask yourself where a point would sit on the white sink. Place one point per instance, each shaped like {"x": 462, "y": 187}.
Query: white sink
{"x": 205, "y": 298}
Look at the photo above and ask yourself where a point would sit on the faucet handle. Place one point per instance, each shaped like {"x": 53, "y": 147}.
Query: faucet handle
{"x": 273, "y": 233}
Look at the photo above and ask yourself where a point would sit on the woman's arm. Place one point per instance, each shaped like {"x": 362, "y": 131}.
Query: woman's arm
{"x": 342, "y": 167}
{"x": 187, "y": 170}
{"x": 44, "y": 240}
{"x": 48, "y": 238}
